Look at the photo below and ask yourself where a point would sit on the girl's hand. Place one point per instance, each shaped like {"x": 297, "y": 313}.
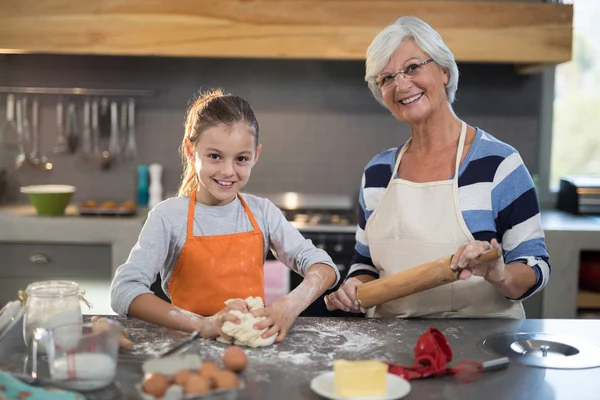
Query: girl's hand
{"x": 464, "y": 261}
{"x": 212, "y": 326}
{"x": 345, "y": 297}
{"x": 280, "y": 317}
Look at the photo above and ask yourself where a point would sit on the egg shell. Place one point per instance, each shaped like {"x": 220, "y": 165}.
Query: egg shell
{"x": 181, "y": 377}
{"x": 197, "y": 384}
{"x": 226, "y": 380}
{"x": 208, "y": 370}
{"x": 155, "y": 385}
{"x": 234, "y": 359}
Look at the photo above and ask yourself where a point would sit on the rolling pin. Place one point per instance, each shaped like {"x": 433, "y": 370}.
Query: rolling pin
{"x": 410, "y": 281}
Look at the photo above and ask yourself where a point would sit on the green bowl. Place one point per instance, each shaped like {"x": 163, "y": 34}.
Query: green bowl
{"x": 49, "y": 199}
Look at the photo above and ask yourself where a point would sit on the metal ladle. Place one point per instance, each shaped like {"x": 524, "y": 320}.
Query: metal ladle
{"x": 20, "y": 158}
{"x": 36, "y": 158}
{"x": 98, "y": 155}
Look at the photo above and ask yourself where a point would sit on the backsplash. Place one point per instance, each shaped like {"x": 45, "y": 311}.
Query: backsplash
{"x": 319, "y": 124}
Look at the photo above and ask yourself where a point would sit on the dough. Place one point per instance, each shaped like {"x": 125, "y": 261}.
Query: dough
{"x": 244, "y": 334}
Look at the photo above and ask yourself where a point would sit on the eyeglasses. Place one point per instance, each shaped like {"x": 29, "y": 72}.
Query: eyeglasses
{"x": 409, "y": 72}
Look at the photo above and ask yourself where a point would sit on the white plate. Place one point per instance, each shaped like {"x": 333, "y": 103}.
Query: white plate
{"x": 323, "y": 386}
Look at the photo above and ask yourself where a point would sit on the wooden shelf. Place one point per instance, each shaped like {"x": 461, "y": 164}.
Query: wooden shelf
{"x": 588, "y": 300}
{"x": 502, "y": 32}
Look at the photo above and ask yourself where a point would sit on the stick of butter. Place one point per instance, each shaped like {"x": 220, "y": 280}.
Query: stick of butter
{"x": 360, "y": 378}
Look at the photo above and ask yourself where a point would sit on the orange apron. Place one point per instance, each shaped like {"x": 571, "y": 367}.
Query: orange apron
{"x": 213, "y": 269}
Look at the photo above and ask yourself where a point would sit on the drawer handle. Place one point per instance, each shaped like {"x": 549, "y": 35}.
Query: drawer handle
{"x": 39, "y": 259}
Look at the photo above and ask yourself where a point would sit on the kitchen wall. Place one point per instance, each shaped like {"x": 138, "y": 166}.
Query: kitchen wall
{"x": 319, "y": 124}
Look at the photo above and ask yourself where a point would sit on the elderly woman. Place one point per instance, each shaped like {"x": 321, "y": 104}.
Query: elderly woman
{"x": 450, "y": 189}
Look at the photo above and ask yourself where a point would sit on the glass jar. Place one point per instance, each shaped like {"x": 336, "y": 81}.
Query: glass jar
{"x": 49, "y": 304}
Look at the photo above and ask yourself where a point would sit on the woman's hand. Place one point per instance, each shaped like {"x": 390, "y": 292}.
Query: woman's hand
{"x": 345, "y": 297}
{"x": 464, "y": 261}
{"x": 211, "y": 327}
{"x": 280, "y": 317}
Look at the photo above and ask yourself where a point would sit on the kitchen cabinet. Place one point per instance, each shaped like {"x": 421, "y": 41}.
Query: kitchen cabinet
{"x": 87, "y": 250}
{"x": 526, "y": 34}
{"x": 86, "y": 264}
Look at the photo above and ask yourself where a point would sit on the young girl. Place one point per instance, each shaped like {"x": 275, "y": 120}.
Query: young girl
{"x": 209, "y": 243}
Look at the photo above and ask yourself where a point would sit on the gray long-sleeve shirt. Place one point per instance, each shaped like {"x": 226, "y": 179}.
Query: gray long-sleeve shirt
{"x": 164, "y": 233}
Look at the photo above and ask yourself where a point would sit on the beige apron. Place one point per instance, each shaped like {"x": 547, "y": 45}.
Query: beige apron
{"x": 419, "y": 222}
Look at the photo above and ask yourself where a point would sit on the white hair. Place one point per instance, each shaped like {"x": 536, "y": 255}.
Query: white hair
{"x": 388, "y": 40}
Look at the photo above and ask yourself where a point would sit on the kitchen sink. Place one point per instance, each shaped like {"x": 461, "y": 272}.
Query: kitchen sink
{"x": 543, "y": 350}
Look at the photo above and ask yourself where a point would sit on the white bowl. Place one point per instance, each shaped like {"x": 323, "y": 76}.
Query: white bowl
{"x": 37, "y": 189}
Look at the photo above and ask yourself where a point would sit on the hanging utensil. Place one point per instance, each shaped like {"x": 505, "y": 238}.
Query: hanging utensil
{"x": 95, "y": 128}
{"x": 86, "y": 136}
{"x": 130, "y": 145}
{"x": 36, "y": 158}
{"x": 104, "y": 118}
{"x": 72, "y": 128}
{"x": 61, "y": 146}
{"x": 114, "y": 146}
{"x": 102, "y": 157}
{"x": 26, "y": 125}
{"x": 10, "y": 136}
{"x": 123, "y": 124}
{"x": 20, "y": 158}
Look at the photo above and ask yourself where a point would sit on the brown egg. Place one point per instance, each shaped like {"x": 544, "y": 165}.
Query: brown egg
{"x": 235, "y": 359}
{"x": 181, "y": 377}
{"x": 197, "y": 384}
{"x": 208, "y": 370}
{"x": 226, "y": 380}
{"x": 155, "y": 384}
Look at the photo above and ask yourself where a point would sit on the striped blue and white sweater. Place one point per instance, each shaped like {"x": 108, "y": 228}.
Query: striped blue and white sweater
{"x": 497, "y": 198}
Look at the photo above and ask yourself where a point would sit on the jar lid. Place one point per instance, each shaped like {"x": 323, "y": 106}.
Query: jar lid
{"x": 10, "y": 314}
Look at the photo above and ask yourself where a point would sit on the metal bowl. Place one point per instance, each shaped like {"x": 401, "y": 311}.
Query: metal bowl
{"x": 543, "y": 350}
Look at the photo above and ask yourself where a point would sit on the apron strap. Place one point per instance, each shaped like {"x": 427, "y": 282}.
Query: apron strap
{"x": 190, "y": 221}
{"x": 459, "y": 152}
{"x": 249, "y": 213}
{"x": 461, "y": 146}
{"x": 398, "y": 158}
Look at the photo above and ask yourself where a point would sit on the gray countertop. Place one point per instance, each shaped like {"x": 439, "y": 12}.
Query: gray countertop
{"x": 284, "y": 371}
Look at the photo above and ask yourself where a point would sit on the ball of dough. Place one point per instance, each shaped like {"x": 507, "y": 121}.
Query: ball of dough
{"x": 181, "y": 377}
{"x": 197, "y": 384}
{"x": 226, "y": 380}
{"x": 234, "y": 359}
{"x": 155, "y": 384}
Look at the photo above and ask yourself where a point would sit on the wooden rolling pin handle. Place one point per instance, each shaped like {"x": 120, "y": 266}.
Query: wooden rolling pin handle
{"x": 488, "y": 255}
{"x": 410, "y": 281}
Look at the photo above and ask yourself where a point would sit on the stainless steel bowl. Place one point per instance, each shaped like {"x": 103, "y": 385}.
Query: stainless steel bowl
{"x": 543, "y": 350}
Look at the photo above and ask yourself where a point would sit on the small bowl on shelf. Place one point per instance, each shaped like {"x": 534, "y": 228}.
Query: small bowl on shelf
{"x": 49, "y": 200}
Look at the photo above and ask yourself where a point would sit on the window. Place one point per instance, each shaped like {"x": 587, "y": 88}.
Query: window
{"x": 576, "y": 109}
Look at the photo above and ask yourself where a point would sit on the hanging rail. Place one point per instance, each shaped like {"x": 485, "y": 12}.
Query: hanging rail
{"x": 77, "y": 91}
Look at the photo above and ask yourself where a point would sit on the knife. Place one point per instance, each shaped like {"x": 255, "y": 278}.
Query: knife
{"x": 195, "y": 335}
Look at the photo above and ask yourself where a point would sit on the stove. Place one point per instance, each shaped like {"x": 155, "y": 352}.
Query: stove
{"x": 314, "y": 213}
